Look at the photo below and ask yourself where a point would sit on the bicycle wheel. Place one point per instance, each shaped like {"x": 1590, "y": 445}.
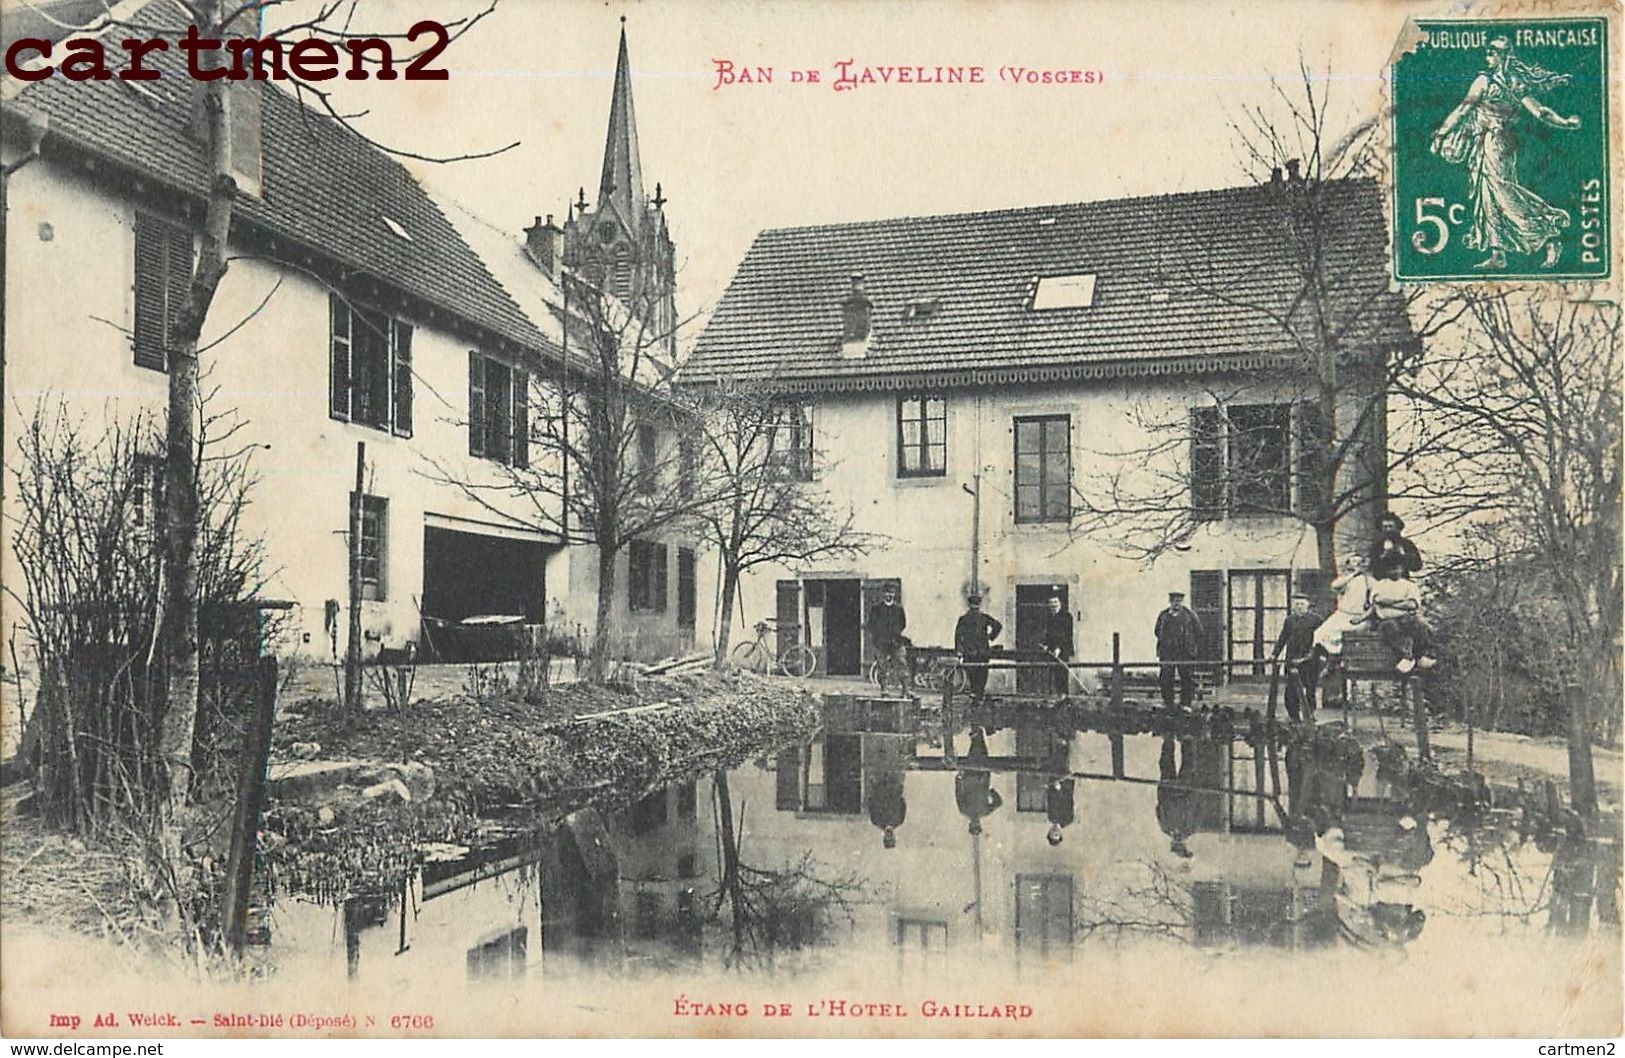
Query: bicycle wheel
{"x": 890, "y": 672}
{"x": 750, "y": 656}
{"x": 946, "y": 671}
{"x": 798, "y": 661}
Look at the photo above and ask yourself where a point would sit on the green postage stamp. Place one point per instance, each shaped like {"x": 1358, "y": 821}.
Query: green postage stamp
{"x": 1500, "y": 143}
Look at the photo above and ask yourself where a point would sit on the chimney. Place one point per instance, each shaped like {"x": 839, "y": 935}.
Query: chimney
{"x": 855, "y": 313}
{"x": 544, "y": 242}
{"x": 1275, "y": 176}
{"x": 1293, "y": 176}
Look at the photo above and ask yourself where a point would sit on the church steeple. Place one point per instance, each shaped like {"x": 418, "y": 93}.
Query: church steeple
{"x": 620, "y": 188}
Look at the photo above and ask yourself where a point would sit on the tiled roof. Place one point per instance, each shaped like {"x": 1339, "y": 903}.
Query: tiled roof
{"x": 324, "y": 187}
{"x": 1185, "y": 280}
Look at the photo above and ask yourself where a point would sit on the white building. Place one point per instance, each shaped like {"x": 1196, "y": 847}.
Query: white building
{"x": 357, "y": 310}
{"x": 973, "y": 383}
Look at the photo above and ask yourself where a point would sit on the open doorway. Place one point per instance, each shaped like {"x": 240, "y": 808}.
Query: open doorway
{"x": 1032, "y": 610}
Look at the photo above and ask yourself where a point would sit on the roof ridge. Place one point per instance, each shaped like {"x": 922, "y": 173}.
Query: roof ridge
{"x": 1012, "y": 211}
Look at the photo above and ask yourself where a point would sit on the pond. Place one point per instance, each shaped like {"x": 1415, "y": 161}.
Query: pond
{"x": 899, "y": 852}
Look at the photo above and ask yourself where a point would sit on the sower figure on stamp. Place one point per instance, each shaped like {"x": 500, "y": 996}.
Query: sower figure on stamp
{"x": 973, "y": 642}
{"x": 1057, "y": 643}
{"x": 1297, "y": 642}
{"x": 1179, "y": 642}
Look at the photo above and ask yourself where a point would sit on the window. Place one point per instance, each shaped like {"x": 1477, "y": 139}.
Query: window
{"x": 1258, "y": 608}
{"x": 1064, "y": 292}
{"x": 792, "y": 443}
{"x": 163, "y": 277}
{"x": 498, "y": 411}
{"x": 1044, "y": 914}
{"x": 646, "y": 576}
{"x": 374, "y": 545}
{"x": 688, "y": 465}
{"x": 1242, "y": 459}
{"x": 500, "y": 957}
{"x": 1044, "y": 469}
{"x": 922, "y": 437}
{"x": 371, "y": 379}
{"x": 922, "y": 943}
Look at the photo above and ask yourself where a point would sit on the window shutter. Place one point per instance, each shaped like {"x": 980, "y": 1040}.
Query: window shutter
{"x": 787, "y": 610}
{"x": 1207, "y": 602}
{"x": 1207, "y": 463}
{"x": 476, "y": 404}
{"x": 1314, "y": 452}
{"x": 177, "y": 277}
{"x": 521, "y": 419}
{"x": 658, "y": 556}
{"x": 339, "y": 374}
{"x": 403, "y": 378}
{"x": 151, "y": 293}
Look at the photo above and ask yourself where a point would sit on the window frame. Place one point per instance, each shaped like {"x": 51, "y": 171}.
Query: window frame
{"x": 647, "y": 576}
{"x": 374, "y": 509}
{"x": 792, "y": 419}
{"x": 1216, "y": 476}
{"x": 1264, "y": 632}
{"x": 394, "y": 372}
{"x": 509, "y": 445}
{"x": 924, "y": 446}
{"x": 1044, "y": 423}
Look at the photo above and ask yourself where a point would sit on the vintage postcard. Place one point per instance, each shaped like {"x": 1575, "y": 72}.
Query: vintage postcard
{"x": 700, "y": 518}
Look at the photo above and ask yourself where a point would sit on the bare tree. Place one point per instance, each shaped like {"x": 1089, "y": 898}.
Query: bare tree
{"x": 601, "y": 450}
{"x": 1524, "y": 408}
{"x": 1304, "y": 436}
{"x": 768, "y": 509}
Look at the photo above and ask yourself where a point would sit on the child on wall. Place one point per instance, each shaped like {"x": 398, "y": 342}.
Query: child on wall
{"x": 1352, "y": 589}
{"x": 1397, "y": 605}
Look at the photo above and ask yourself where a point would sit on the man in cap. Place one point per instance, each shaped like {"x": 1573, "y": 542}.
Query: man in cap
{"x": 1297, "y": 642}
{"x": 973, "y": 642}
{"x": 1179, "y": 642}
{"x": 1057, "y": 642}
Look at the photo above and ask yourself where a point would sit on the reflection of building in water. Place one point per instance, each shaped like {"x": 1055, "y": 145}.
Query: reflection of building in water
{"x": 647, "y": 886}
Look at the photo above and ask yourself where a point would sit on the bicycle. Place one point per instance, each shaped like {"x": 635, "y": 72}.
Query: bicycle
{"x": 757, "y": 656}
{"x": 891, "y": 669}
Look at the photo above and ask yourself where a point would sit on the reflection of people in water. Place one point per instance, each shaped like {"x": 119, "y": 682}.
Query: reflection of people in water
{"x": 883, "y": 767}
{"x": 1481, "y": 135}
{"x": 1176, "y": 805}
{"x": 973, "y": 783}
{"x": 1378, "y": 856}
{"x": 1060, "y": 793}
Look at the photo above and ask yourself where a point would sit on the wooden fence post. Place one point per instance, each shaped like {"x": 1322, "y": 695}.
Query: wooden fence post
{"x": 250, "y": 803}
{"x": 1117, "y": 670}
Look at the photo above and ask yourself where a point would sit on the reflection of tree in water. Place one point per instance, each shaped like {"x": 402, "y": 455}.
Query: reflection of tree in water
{"x": 1156, "y": 903}
{"x": 776, "y": 910}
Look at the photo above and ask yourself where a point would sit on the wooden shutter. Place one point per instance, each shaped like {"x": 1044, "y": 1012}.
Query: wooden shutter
{"x": 787, "y": 780}
{"x": 1314, "y": 459}
{"x": 476, "y": 404}
{"x": 339, "y": 374}
{"x": 403, "y": 378}
{"x": 1207, "y": 601}
{"x": 787, "y": 606}
{"x": 686, "y": 585}
{"x": 1207, "y": 463}
{"x": 658, "y": 556}
{"x": 151, "y": 293}
{"x": 521, "y": 419}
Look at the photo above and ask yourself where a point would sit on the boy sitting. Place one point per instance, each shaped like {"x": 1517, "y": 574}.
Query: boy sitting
{"x": 1397, "y": 605}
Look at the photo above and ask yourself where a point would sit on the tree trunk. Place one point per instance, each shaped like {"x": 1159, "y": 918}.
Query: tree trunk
{"x": 1582, "y": 776}
{"x": 180, "y": 468}
{"x": 730, "y": 585}
{"x": 598, "y": 664}
{"x": 731, "y": 882}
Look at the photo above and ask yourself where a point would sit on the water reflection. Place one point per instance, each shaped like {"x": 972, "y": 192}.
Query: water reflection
{"x": 1022, "y": 838}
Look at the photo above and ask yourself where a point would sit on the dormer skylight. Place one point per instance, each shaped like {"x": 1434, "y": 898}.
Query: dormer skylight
{"x": 920, "y": 308}
{"x": 1076, "y": 291}
{"x": 392, "y": 225}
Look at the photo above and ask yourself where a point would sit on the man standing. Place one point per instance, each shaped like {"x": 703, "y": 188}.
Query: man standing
{"x": 1057, "y": 643}
{"x": 973, "y": 642}
{"x": 1297, "y": 641}
{"x": 887, "y": 619}
{"x": 1179, "y": 642}
{"x": 1391, "y": 551}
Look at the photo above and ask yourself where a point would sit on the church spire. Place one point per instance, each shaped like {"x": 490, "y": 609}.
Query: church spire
{"x": 620, "y": 188}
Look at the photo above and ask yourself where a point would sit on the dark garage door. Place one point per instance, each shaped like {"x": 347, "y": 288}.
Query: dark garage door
{"x": 468, "y": 574}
